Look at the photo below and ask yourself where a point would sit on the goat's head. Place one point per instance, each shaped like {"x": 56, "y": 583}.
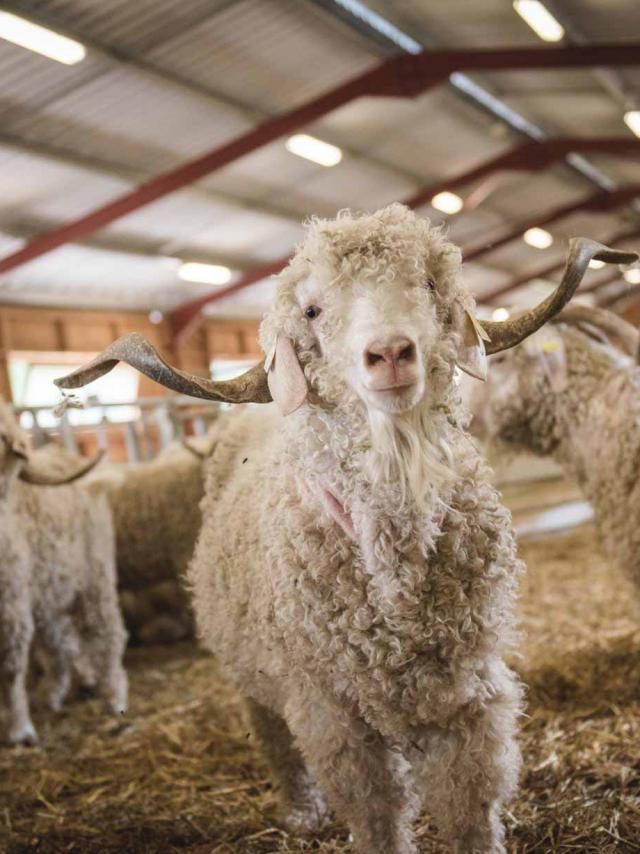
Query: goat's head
{"x": 371, "y": 306}
{"x": 42, "y": 468}
{"x": 519, "y": 404}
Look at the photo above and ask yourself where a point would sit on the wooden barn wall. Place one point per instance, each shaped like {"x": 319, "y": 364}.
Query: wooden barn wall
{"x": 632, "y": 314}
{"x": 81, "y": 331}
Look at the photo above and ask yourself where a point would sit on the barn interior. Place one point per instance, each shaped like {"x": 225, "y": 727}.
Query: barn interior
{"x": 158, "y": 161}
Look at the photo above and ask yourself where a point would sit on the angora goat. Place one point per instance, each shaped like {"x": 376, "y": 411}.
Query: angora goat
{"x": 567, "y": 393}
{"x": 57, "y": 578}
{"x": 356, "y": 571}
{"x": 156, "y": 515}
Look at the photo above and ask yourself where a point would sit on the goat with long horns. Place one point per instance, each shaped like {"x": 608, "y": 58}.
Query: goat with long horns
{"x": 356, "y": 571}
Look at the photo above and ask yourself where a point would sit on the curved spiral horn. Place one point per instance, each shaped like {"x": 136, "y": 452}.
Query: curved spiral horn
{"x": 508, "y": 333}
{"x": 47, "y": 468}
{"x": 135, "y": 350}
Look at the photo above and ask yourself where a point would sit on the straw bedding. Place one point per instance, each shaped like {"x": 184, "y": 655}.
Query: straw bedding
{"x": 179, "y": 773}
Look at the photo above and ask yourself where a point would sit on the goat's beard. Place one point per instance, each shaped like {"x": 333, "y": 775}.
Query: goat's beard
{"x": 409, "y": 451}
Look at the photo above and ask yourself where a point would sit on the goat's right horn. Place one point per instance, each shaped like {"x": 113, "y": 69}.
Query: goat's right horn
{"x": 250, "y": 387}
{"x": 611, "y": 324}
{"x": 508, "y": 333}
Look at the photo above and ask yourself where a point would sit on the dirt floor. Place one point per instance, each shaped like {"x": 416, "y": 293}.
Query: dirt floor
{"x": 179, "y": 773}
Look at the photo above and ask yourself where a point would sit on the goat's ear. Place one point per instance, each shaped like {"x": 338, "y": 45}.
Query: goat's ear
{"x": 20, "y": 448}
{"x": 554, "y": 362}
{"x": 200, "y": 446}
{"x": 286, "y": 379}
{"x": 471, "y": 357}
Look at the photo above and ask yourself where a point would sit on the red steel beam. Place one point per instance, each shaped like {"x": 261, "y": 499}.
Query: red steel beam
{"x": 614, "y": 240}
{"x": 530, "y": 157}
{"x": 401, "y": 76}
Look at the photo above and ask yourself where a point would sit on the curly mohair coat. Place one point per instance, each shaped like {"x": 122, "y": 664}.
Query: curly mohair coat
{"x": 564, "y": 395}
{"x": 157, "y": 520}
{"x": 57, "y": 586}
{"x": 356, "y": 571}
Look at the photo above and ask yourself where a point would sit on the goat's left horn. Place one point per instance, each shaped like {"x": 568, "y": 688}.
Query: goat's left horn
{"x": 508, "y": 333}
{"x": 250, "y": 387}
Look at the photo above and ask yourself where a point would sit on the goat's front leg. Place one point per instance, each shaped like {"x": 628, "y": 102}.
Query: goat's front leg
{"x": 303, "y": 805}
{"x": 354, "y": 768}
{"x": 58, "y": 634}
{"x": 16, "y": 634}
{"x": 470, "y": 769}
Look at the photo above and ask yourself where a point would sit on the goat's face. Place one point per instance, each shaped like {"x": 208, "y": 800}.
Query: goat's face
{"x": 367, "y": 301}
{"x": 516, "y": 405}
{"x": 376, "y": 336}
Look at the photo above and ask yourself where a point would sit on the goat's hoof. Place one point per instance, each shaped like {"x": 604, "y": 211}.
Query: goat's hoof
{"x": 302, "y": 822}
{"x": 305, "y": 820}
{"x": 56, "y": 701}
{"x": 25, "y": 735}
{"x": 87, "y": 691}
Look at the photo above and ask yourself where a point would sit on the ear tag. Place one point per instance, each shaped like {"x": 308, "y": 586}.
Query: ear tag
{"x": 554, "y": 363}
{"x": 287, "y": 382}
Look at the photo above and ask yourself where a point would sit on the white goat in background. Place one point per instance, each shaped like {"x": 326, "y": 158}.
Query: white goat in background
{"x": 356, "y": 571}
{"x": 57, "y": 578}
{"x": 567, "y": 393}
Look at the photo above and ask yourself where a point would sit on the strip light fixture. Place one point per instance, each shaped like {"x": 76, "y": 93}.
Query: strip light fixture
{"x": 540, "y": 19}
{"x": 207, "y": 274}
{"x": 40, "y": 40}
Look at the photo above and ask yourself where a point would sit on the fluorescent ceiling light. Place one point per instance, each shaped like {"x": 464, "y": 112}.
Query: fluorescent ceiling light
{"x": 208, "y": 274}
{"x": 314, "y": 149}
{"x": 447, "y": 202}
{"x": 380, "y": 25}
{"x": 539, "y": 19}
{"x": 500, "y": 314}
{"x": 40, "y": 40}
{"x": 632, "y": 120}
{"x": 538, "y": 238}
{"x": 595, "y": 264}
{"x": 632, "y": 276}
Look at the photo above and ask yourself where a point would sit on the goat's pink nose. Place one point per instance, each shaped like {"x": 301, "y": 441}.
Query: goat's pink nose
{"x": 396, "y": 352}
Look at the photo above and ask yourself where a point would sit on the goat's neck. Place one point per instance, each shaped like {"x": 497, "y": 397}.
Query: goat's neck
{"x": 370, "y": 468}
{"x": 599, "y": 394}
{"x": 394, "y": 532}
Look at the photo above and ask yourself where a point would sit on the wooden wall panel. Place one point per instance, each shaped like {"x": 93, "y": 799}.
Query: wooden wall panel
{"x": 632, "y": 313}
{"x": 40, "y": 329}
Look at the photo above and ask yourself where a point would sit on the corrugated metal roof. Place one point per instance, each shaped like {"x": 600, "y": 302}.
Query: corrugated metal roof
{"x": 268, "y": 54}
{"x": 238, "y": 61}
{"x": 129, "y": 26}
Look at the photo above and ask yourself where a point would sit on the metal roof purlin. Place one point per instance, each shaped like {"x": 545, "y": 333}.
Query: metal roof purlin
{"x": 402, "y": 76}
{"x": 600, "y": 201}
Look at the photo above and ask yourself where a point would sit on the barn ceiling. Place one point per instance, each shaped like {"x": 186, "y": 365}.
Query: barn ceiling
{"x": 165, "y": 81}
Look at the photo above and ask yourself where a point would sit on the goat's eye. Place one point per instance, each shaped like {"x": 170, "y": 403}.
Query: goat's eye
{"x": 312, "y": 311}
{"x": 430, "y": 284}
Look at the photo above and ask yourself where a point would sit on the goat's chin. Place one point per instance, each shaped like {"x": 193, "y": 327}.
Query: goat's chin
{"x": 394, "y": 401}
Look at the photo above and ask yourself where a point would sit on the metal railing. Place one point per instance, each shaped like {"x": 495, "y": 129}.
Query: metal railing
{"x": 155, "y": 422}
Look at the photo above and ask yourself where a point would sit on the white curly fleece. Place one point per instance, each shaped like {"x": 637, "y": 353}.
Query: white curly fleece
{"x": 370, "y": 645}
